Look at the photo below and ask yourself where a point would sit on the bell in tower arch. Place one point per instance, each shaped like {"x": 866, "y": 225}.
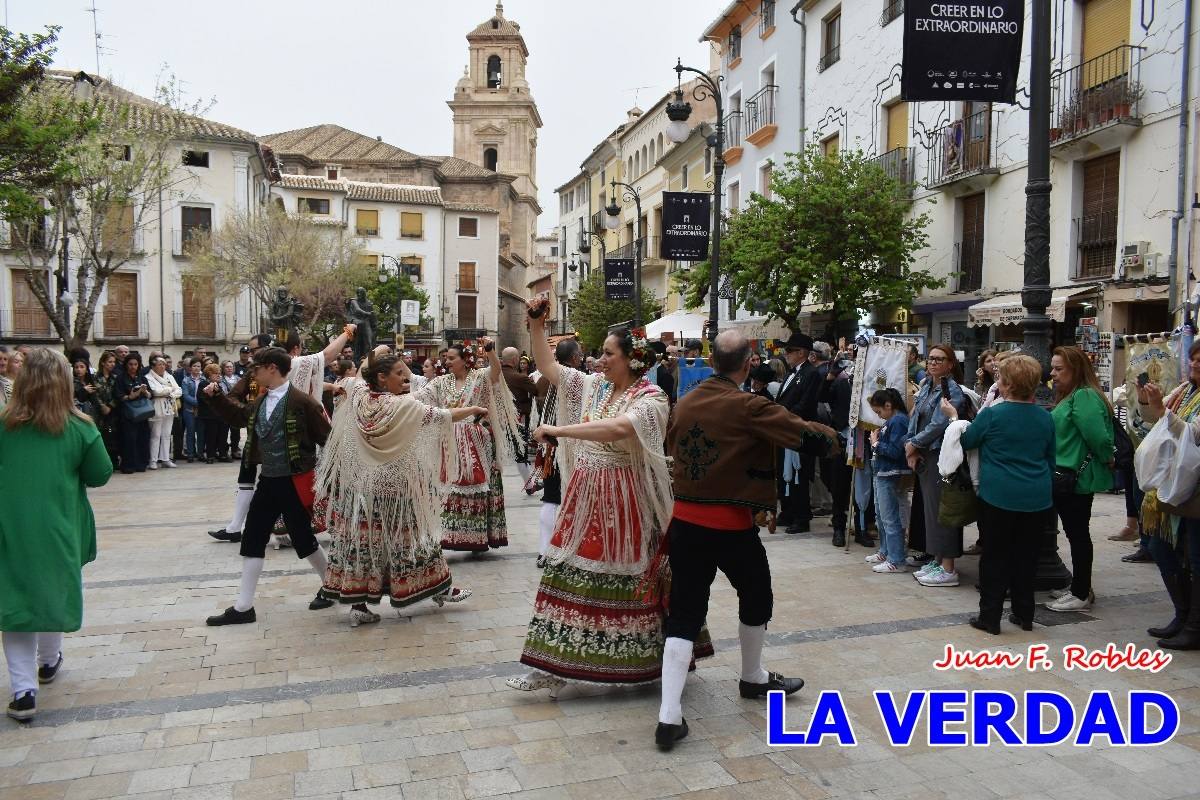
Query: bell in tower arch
{"x": 493, "y": 72}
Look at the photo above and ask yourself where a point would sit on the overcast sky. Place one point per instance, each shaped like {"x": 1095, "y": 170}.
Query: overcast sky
{"x": 386, "y": 67}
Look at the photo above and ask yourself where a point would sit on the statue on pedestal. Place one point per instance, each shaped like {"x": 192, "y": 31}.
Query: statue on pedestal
{"x": 361, "y": 312}
{"x": 286, "y": 312}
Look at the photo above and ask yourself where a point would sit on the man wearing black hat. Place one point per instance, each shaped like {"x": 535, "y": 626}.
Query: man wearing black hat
{"x": 799, "y": 395}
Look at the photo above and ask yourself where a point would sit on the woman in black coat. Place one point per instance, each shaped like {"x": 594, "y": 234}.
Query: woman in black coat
{"x": 135, "y": 435}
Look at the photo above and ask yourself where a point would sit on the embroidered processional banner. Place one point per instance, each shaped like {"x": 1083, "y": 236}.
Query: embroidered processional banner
{"x": 882, "y": 364}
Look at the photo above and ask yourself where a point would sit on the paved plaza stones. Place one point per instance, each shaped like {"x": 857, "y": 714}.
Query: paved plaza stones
{"x": 152, "y": 704}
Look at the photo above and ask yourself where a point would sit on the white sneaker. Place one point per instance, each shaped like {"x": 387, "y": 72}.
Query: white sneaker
{"x": 889, "y": 567}
{"x": 152, "y": 466}
{"x": 1057, "y": 593}
{"x": 876, "y": 558}
{"x": 170, "y": 464}
{"x": 939, "y": 578}
{"x": 928, "y": 569}
{"x": 358, "y": 617}
{"x": 1069, "y": 602}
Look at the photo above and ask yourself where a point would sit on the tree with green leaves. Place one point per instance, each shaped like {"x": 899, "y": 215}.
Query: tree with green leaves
{"x": 386, "y": 297}
{"x": 38, "y": 130}
{"x": 836, "y": 230}
{"x": 592, "y": 314}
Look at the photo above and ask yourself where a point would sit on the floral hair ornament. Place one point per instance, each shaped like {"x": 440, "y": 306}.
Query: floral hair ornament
{"x": 640, "y": 354}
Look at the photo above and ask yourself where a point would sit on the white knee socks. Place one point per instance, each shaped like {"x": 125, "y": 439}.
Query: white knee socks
{"x": 251, "y": 570}
{"x": 751, "y": 638}
{"x": 241, "y": 507}
{"x": 20, "y": 650}
{"x": 677, "y": 657}
{"x": 319, "y": 562}
{"x": 546, "y": 518}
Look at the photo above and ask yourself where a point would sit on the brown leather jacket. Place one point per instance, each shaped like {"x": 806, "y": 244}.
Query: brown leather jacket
{"x": 723, "y": 443}
{"x": 523, "y": 389}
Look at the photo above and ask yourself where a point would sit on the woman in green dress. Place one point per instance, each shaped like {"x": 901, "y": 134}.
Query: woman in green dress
{"x": 44, "y": 442}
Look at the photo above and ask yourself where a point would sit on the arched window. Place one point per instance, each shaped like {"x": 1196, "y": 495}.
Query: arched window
{"x": 493, "y": 72}
{"x": 489, "y": 158}
{"x": 645, "y": 161}
{"x": 630, "y": 166}
{"x": 637, "y": 164}
{"x": 660, "y": 145}
{"x": 650, "y": 163}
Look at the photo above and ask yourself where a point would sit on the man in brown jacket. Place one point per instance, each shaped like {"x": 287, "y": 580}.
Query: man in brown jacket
{"x": 722, "y": 440}
{"x": 284, "y": 426}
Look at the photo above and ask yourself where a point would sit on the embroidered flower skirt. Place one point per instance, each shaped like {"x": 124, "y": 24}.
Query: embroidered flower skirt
{"x": 364, "y": 566}
{"x": 474, "y": 521}
{"x": 592, "y": 627}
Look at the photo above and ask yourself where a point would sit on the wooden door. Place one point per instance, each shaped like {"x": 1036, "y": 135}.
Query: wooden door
{"x": 121, "y": 310}
{"x": 199, "y": 318}
{"x": 970, "y": 262}
{"x": 1098, "y": 227}
{"x": 466, "y": 311}
{"x": 29, "y": 319}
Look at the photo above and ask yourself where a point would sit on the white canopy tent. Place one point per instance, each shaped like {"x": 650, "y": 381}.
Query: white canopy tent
{"x": 684, "y": 324}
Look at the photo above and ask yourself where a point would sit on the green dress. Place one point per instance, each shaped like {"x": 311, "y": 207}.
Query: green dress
{"x": 47, "y": 532}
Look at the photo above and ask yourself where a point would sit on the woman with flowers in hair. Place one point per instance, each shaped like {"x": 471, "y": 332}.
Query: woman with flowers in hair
{"x": 598, "y": 616}
{"x": 473, "y": 515}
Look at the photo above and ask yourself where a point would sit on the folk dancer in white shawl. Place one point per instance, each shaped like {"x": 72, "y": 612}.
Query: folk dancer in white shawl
{"x": 473, "y": 517}
{"x": 596, "y": 618}
{"x": 379, "y": 499}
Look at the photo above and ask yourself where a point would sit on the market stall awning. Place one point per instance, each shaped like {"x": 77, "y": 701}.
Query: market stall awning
{"x": 684, "y": 324}
{"x": 1006, "y": 309}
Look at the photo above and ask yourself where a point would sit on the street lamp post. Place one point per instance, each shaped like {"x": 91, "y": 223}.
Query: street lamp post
{"x": 612, "y": 221}
{"x": 1036, "y": 295}
{"x": 678, "y": 112}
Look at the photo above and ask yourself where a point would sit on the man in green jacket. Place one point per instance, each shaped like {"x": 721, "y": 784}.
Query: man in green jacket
{"x": 283, "y": 429}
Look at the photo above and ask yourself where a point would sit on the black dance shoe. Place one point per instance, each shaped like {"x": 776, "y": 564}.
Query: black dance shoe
{"x": 775, "y": 682}
{"x": 666, "y": 735}
{"x": 232, "y": 616}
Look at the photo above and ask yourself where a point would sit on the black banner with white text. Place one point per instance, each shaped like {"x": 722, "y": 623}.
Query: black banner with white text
{"x": 962, "y": 50}
{"x": 685, "y": 226}
{"x": 618, "y": 278}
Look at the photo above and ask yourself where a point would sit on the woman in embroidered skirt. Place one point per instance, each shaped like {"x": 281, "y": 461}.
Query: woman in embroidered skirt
{"x": 597, "y": 617}
{"x": 473, "y": 515}
{"x": 379, "y": 502}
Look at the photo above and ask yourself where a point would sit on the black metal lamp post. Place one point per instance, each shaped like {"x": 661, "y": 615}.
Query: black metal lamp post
{"x": 612, "y": 221}
{"x": 678, "y": 111}
{"x": 1036, "y": 294}
{"x": 585, "y": 243}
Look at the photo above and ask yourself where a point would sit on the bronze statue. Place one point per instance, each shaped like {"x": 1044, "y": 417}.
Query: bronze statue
{"x": 361, "y": 312}
{"x": 286, "y": 313}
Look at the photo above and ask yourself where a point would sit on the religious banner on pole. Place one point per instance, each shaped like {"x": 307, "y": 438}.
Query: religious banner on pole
{"x": 685, "y": 226}
{"x": 1151, "y": 358}
{"x": 965, "y": 50}
{"x": 618, "y": 278}
{"x": 882, "y": 364}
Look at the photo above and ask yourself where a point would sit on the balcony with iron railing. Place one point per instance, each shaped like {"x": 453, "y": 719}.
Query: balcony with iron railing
{"x": 1096, "y": 245}
{"x": 118, "y": 325}
{"x": 968, "y": 266}
{"x": 16, "y": 237}
{"x": 185, "y": 242}
{"x": 766, "y": 18}
{"x": 1099, "y": 98}
{"x": 891, "y": 12}
{"x": 25, "y": 323}
{"x": 200, "y": 327}
{"x": 899, "y": 164}
{"x": 733, "y": 137}
{"x": 964, "y": 150}
{"x": 760, "y": 116}
{"x": 831, "y": 57}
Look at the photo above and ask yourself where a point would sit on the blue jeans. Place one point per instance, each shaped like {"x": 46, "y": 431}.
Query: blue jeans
{"x": 1171, "y": 560}
{"x": 887, "y": 518}
{"x": 189, "y": 432}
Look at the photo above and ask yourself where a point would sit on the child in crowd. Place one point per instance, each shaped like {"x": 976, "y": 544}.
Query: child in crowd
{"x": 887, "y": 445}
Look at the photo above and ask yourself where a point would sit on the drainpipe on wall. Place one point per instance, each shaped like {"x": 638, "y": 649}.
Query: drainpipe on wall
{"x": 162, "y": 278}
{"x": 803, "y": 62}
{"x": 1181, "y": 200}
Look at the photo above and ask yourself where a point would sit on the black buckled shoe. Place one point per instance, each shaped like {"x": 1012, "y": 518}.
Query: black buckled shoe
{"x": 23, "y": 707}
{"x": 666, "y": 735}
{"x": 775, "y": 682}
{"x": 320, "y": 602}
{"x": 225, "y": 536}
{"x": 232, "y": 616}
{"x": 47, "y": 673}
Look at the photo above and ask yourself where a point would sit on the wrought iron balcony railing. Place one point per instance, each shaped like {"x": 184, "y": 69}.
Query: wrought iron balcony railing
{"x": 1099, "y": 91}
{"x": 964, "y": 147}
{"x": 760, "y": 109}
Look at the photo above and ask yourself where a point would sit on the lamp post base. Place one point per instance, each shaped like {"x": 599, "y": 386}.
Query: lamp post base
{"x": 1051, "y": 572}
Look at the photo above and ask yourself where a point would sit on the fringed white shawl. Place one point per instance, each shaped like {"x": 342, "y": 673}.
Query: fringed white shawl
{"x": 375, "y": 466}
{"x": 472, "y": 447}
{"x": 629, "y": 479}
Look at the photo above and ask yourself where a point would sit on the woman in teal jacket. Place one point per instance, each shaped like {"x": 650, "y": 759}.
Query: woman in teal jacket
{"x": 47, "y": 444}
{"x": 1083, "y": 436}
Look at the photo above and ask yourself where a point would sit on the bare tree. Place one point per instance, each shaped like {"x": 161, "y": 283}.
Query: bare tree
{"x": 104, "y": 197}
{"x": 259, "y": 252}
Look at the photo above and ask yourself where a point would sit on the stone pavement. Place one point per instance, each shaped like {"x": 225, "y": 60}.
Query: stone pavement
{"x": 152, "y": 704}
